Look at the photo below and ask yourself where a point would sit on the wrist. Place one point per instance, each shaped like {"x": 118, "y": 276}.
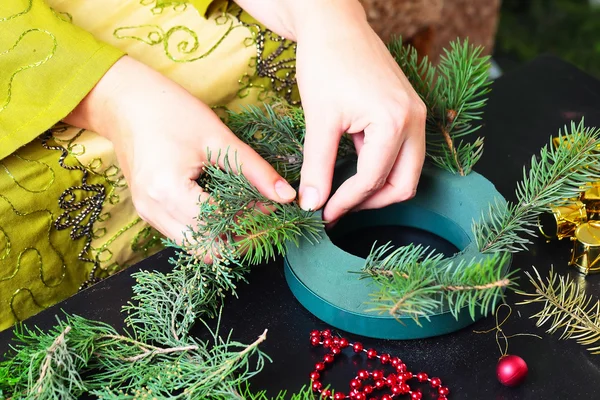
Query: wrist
{"x": 328, "y": 15}
{"x": 98, "y": 110}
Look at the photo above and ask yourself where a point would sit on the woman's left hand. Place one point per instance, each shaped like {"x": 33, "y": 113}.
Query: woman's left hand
{"x": 349, "y": 83}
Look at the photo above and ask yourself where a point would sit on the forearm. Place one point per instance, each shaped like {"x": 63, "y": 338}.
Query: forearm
{"x": 290, "y": 18}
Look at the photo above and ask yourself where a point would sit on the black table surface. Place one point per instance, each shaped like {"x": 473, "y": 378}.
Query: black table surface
{"x": 526, "y": 108}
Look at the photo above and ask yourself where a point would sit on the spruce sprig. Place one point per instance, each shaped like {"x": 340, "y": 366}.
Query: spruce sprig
{"x": 234, "y": 230}
{"x": 566, "y": 308}
{"x": 454, "y": 93}
{"x": 414, "y": 281}
{"x": 277, "y": 132}
{"x": 555, "y": 175}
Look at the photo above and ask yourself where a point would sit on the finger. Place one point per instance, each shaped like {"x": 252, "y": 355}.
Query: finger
{"x": 404, "y": 177}
{"x": 359, "y": 140}
{"x": 258, "y": 171}
{"x": 377, "y": 157}
{"x": 320, "y": 151}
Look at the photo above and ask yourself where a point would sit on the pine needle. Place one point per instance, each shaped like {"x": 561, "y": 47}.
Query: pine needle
{"x": 554, "y": 176}
{"x": 566, "y": 308}
{"x": 454, "y": 93}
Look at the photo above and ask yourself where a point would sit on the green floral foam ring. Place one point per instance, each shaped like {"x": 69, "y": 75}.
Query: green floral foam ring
{"x": 319, "y": 274}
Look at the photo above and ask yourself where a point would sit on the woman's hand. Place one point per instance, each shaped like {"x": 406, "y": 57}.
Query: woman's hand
{"x": 350, "y": 83}
{"x": 161, "y": 134}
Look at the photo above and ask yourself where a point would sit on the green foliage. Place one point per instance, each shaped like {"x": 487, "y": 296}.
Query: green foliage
{"x": 454, "y": 93}
{"x": 566, "y": 308}
{"x": 277, "y": 134}
{"x": 555, "y": 175}
{"x": 234, "y": 213}
{"x": 569, "y": 29}
{"x": 414, "y": 281}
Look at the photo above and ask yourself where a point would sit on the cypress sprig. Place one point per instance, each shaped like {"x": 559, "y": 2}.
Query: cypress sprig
{"x": 555, "y": 175}
{"x": 454, "y": 93}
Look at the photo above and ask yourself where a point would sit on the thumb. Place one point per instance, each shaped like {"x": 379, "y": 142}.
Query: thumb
{"x": 320, "y": 153}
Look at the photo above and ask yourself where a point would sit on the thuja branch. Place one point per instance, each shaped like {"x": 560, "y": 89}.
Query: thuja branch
{"x": 566, "y": 307}
{"x": 454, "y": 93}
{"x": 554, "y": 176}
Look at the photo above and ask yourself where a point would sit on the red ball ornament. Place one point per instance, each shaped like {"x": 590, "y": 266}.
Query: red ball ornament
{"x": 371, "y": 353}
{"x": 358, "y": 347}
{"x": 315, "y": 341}
{"x": 343, "y": 343}
{"x": 339, "y": 396}
{"x": 511, "y": 370}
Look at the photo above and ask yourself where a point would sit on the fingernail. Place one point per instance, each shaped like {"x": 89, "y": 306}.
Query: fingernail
{"x": 284, "y": 190}
{"x": 309, "y": 198}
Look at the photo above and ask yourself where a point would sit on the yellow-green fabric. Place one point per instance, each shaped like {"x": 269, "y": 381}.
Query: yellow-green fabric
{"x": 55, "y": 187}
{"x": 47, "y": 66}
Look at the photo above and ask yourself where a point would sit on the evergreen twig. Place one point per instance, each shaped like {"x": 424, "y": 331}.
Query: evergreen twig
{"x": 566, "y": 308}
{"x": 454, "y": 94}
{"x": 555, "y": 175}
{"x": 414, "y": 281}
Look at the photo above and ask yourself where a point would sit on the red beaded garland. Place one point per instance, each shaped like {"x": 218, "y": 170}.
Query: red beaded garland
{"x": 359, "y": 386}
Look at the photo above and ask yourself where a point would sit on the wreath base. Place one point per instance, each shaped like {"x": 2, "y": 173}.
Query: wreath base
{"x": 318, "y": 274}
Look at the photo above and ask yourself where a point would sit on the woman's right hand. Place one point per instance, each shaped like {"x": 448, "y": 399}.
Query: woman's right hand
{"x": 161, "y": 134}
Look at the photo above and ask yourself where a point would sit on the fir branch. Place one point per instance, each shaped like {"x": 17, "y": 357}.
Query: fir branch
{"x": 233, "y": 212}
{"x": 555, "y": 175}
{"x": 566, "y": 308}
{"x": 416, "y": 282}
{"x": 277, "y": 132}
{"x": 454, "y": 94}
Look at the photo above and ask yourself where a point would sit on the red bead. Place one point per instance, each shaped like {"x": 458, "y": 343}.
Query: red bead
{"x": 422, "y": 376}
{"x": 385, "y": 358}
{"x": 316, "y": 386}
{"x": 404, "y": 388}
{"x": 379, "y": 384}
{"x": 326, "y": 393}
{"x": 358, "y": 347}
{"x": 367, "y": 389}
{"x": 326, "y": 333}
{"x": 360, "y": 396}
{"x": 327, "y": 342}
{"x": 395, "y": 361}
{"x": 416, "y": 395}
{"x": 353, "y": 394}
{"x": 511, "y": 370}
{"x": 315, "y": 333}
{"x": 339, "y": 396}
{"x": 405, "y": 375}
{"x": 328, "y": 358}
{"x": 336, "y": 341}
{"x": 443, "y": 391}
{"x": 315, "y": 341}
{"x": 314, "y": 376}
{"x": 396, "y": 390}
{"x": 371, "y": 353}
{"x": 355, "y": 383}
{"x": 362, "y": 374}
{"x": 335, "y": 350}
{"x": 343, "y": 343}
{"x": 435, "y": 382}
{"x": 401, "y": 367}
{"x": 442, "y": 398}
{"x": 378, "y": 374}
{"x": 319, "y": 366}
{"x": 391, "y": 380}
{"x": 386, "y": 397}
